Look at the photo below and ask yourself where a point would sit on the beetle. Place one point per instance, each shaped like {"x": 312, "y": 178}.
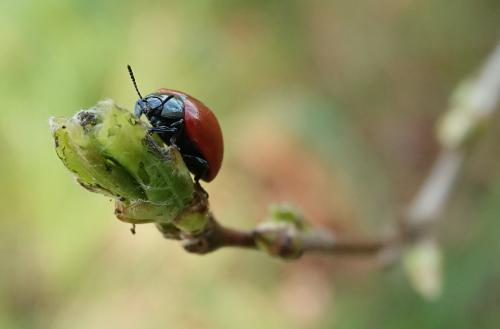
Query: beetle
{"x": 181, "y": 120}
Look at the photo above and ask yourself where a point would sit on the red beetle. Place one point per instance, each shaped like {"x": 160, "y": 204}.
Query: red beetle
{"x": 183, "y": 121}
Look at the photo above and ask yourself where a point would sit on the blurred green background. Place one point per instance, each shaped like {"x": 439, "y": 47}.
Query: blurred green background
{"x": 329, "y": 104}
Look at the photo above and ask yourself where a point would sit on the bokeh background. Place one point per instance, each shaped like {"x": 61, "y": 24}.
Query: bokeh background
{"x": 329, "y": 104}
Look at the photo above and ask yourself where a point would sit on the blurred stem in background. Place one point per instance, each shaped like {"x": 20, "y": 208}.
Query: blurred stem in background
{"x": 472, "y": 105}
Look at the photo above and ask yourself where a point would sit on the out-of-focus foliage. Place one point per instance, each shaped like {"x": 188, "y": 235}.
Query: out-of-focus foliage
{"x": 328, "y": 104}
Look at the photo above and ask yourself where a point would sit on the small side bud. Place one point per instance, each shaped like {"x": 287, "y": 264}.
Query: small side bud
{"x": 464, "y": 121}
{"x": 279, "y": 235}
{"x": 422, "y": 263}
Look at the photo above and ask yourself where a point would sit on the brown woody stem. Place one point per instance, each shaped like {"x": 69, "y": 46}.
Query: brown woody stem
{"x": 217, "y": 236}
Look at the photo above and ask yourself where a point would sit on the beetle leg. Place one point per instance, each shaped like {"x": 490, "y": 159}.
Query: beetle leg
{"x": 196, "y": 165}
{"x": 200, "y": 188}
{"x": 179, "y": 126}
{"x": 162, "y": 129}
{"x": 177, "y": 123}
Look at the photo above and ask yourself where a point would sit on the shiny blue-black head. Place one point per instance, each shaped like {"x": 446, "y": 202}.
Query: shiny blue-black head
{"x": 160, "y": 106}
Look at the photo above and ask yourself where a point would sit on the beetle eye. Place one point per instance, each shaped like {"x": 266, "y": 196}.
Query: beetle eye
{"x": 138, "y": 108}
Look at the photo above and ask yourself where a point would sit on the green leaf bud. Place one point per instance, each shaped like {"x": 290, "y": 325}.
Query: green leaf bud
{"x": 110, "y": 152}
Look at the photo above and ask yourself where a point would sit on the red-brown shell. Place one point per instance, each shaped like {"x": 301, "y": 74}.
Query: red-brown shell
{"x": 203, "y": 130}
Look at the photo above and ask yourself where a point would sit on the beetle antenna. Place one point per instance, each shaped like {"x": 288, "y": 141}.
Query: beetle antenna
{"x": 133, "y": 80}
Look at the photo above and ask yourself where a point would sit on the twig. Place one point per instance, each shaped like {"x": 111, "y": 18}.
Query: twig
{"x": 324, "y": 241}
{"x": 215, "y": 236}
{"x": 288, "y": 243}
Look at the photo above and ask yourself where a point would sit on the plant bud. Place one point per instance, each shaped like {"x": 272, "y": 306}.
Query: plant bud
{"x": 280, "y": 234}
{"x": 110, "y": 152}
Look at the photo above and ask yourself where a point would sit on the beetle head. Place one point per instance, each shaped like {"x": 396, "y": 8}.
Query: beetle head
{"x": 147, "y": 105}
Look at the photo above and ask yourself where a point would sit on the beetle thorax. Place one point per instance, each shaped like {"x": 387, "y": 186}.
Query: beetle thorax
{"x": 162, "y": 109}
